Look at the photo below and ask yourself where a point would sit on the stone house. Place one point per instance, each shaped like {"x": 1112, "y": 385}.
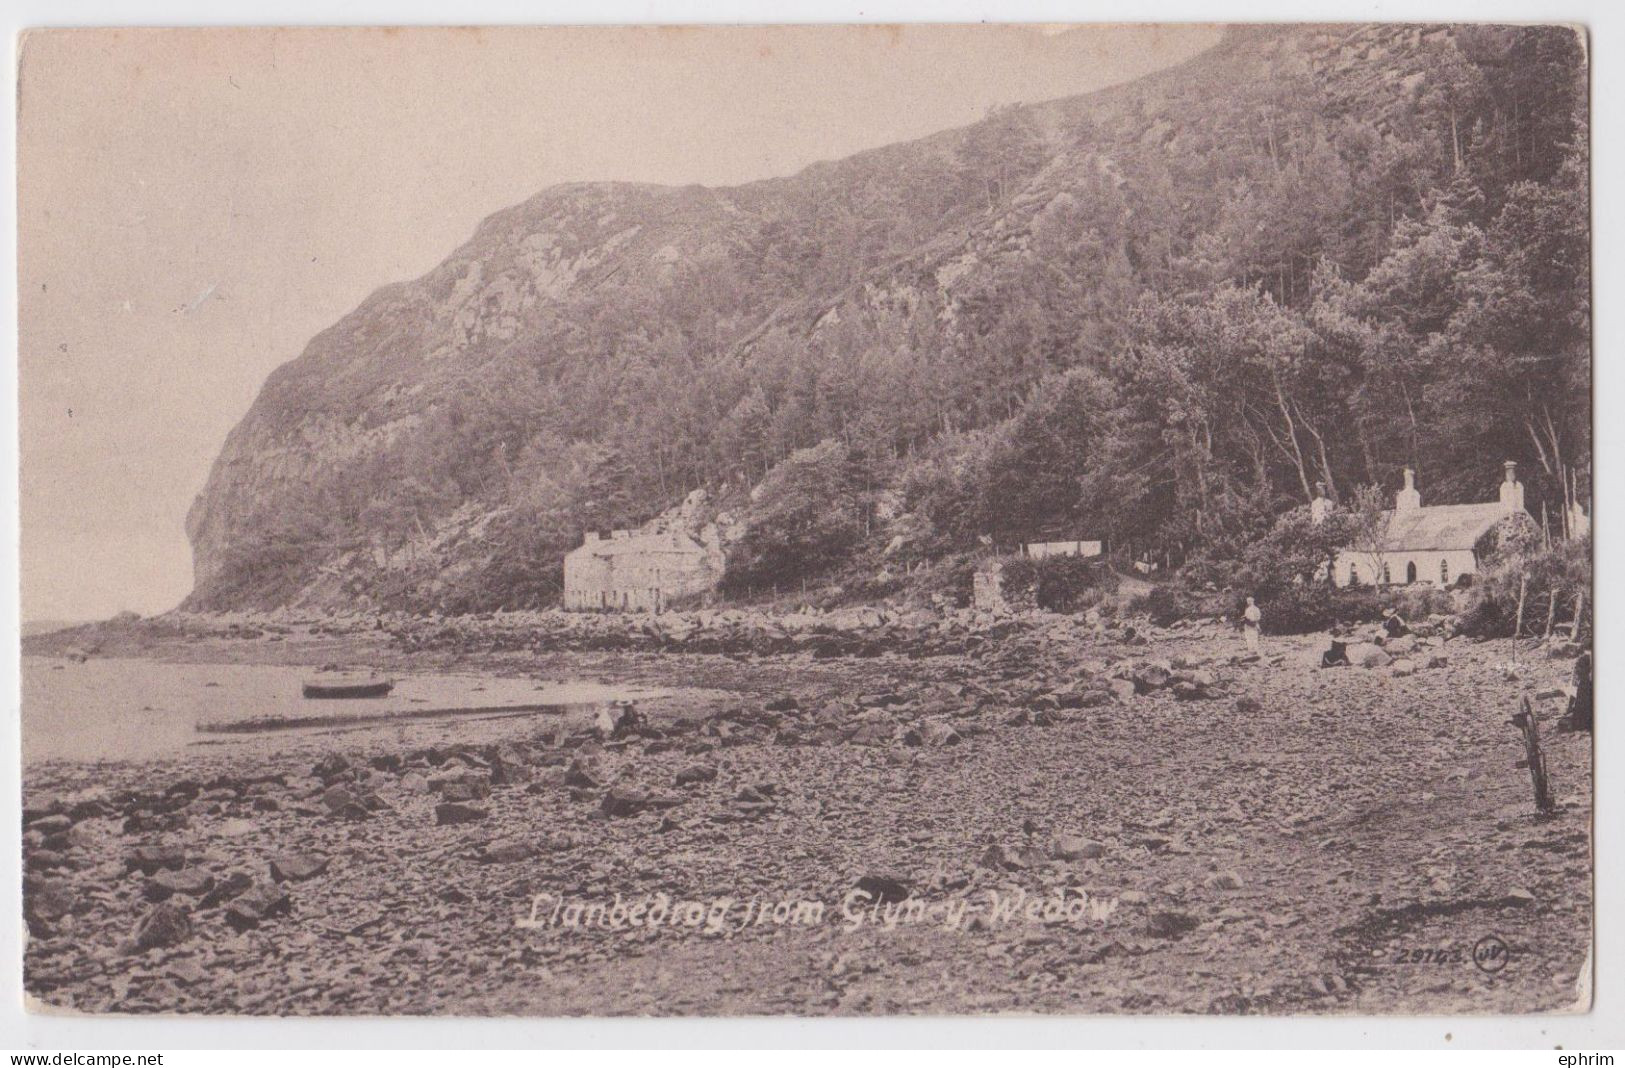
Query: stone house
{"x": 1435, "y": 544}
{"x": 637, "y": 571}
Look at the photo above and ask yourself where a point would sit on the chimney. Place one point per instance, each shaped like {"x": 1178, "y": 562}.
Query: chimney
{"x": 1408, "y": 498}
{"x": 590, "y": 538}
{"x": 1579, "y": 522}
{"x": 1511, "y": 488}
{"x": 1320, "y": 505}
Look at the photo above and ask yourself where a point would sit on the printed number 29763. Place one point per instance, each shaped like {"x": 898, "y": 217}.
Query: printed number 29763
{"x": 1431, "y": 955}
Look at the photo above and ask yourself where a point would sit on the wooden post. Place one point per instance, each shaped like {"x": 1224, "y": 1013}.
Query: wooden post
{"x": 1526, "y": 722}
{"x": 1551, "y": 612}
{"x": 1579, "y": 610}
{"x": 1523, "y": 588}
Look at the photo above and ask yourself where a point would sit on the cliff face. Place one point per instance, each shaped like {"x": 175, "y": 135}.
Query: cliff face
{"x": 535, "y": 367}
{"x": 364, "y": 387}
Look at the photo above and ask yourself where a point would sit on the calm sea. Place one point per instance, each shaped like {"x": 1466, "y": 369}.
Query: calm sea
{"x": 129, "y": 709}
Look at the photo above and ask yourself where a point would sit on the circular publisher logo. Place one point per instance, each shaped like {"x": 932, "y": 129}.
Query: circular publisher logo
{"x": 1491, "y": 954}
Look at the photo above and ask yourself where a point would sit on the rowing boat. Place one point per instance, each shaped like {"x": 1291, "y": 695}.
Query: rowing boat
{"x": 347, "y": 686}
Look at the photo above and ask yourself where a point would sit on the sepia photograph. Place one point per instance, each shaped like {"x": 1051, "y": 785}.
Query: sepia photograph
{"x": 863, "y": 521}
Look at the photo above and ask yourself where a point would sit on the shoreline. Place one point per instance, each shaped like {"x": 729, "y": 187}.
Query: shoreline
{"x": 1235, "y": 845}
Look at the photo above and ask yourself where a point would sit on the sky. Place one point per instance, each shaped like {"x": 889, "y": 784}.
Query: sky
{"x": 194, "y": 205}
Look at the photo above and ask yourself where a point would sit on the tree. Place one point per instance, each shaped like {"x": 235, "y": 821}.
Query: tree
{"x": 803, "y": 519}
{"x": 1366, "y": 523}
{"x": 1299, "y": 550}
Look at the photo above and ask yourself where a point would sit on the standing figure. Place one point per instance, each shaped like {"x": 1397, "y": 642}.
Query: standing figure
{"x": 1250, "y": 619}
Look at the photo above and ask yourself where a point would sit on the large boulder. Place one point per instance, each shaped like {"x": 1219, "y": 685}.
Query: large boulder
{"x": 189, "y": 882}
{"x": 506, "y": 851}
{"x": 1367, "y": 655}
{"x": 151, "y": 859}
{"x": 330, "y": 768}
{"x": 932, "y": 734}
{"x": 234, "y": 883}
{"x": 297, "y": 867}
{"x": 586, "y": 772}
{"x": 56, "y": 823}
{"x": 452, "y": 813}
{"x": 697, "y": 773}
{"x": 46, "y": 900}
{"x": 163, "y": 925}
{"x": 464, "y": 788}
{"x": 884, "y": 889}
{"x": 345, "y": 803}
{"x": 630, "y": 801}
{"x": 1074, "y": 847}
{"x": 873, "y": 733}
{"x": 1169, "y": 923}
{"x": 1152, "y": 675}
{"x": 1001, "y": 857}
{"x": 260, "y": 902}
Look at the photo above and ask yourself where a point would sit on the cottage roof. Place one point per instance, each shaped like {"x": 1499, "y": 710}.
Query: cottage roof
{"x": 1442, "y": 526}
{"x": 643, "y": 544}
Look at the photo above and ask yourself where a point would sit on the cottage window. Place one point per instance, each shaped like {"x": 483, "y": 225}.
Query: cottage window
{"x": 1387, "y": 576}
{"x": 1354, "y": 574}
{"x": 1410, "y": 571}
{"x": 1444, "y": 571}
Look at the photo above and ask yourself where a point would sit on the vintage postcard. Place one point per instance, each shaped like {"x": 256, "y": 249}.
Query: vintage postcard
{"x": 841, "y": 520}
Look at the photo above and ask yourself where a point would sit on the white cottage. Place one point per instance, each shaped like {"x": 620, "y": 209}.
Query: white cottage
{"x": 1437, "y": 544}
{"x": 1041, "y": 550}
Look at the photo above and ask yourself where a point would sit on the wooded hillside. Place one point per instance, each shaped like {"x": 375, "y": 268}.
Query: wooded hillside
{"x": 1157, "y": 315}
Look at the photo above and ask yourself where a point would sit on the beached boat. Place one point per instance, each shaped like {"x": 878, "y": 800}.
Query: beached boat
{"x": 345, "y": 686}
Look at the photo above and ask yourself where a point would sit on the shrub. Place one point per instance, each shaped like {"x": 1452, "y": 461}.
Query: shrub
{"x": 953, "y": 578}
{"x": 1065, "y": 584}
{"x": 864, "y": 580}
{"x": 1297, "y": 551}
{"x": 1488, "y": 616}
{"x": 1561, "y": 571}
{"x": 1418, "y": 602}
{"x": 1163, "y": 605}
{"x": 1302, "y": 609}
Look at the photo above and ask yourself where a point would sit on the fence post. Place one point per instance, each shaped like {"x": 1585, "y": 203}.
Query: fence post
{"x": 1526, "y": 722}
